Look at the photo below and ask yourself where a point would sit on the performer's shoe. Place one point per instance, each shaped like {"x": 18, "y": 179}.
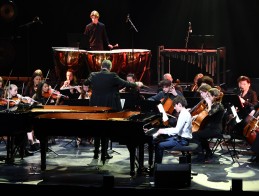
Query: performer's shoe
{"x": 96, "y": 156}
{"x": 107, "y": 156}
{"x": 28, "y": 153}
{"x": 254, "y": 159}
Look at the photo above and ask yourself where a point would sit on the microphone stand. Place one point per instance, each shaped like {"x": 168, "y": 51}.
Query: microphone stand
{"x": 186, "y": 47}
{"x": 132, "y": 37}
{"x": 28, "y": 24}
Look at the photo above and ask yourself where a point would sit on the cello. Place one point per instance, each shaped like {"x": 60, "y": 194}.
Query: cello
{"x": 168, "y": 106}
{"x": 200, "y": 112}
{"x": 251, "y": 128}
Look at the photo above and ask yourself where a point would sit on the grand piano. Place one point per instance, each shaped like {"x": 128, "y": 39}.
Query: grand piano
{"x": 16, "y": 123}
{"x": 125, "y": 127}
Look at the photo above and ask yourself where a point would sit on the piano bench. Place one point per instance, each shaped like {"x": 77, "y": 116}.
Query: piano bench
{"x": 186, "y": 155}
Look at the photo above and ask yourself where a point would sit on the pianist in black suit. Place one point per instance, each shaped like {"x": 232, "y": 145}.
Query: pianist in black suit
{"x": 105, "y": 87}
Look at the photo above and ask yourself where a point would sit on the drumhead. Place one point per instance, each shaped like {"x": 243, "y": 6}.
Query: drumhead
{"x": 130, "y": 50}
{"x": 68, "y": 50}
{"x": 103, "y": 52}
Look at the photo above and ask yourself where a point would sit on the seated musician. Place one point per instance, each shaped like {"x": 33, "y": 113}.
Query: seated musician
{"x": 15, "y": 99}
{"x": 168, "y": 76}
{"x": 212, "y": 126}
{"x": 134, "y": 92}
{"x": 1, "y": 87}
{"x": 70, "y": 86}
{"x": 180, "y": 135}
{"x": 248, "y": 99}
{"x": 194, "y": 87}
{"x": 32, "y": 85}
{"x": 45, "y": 95}
{"x": 168, "y": 92}
{"x": 85, "y": 92}
{"x": 253, "y": 135}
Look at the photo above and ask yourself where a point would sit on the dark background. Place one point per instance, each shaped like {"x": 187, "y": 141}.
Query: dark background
{"x": 234, "y": 24}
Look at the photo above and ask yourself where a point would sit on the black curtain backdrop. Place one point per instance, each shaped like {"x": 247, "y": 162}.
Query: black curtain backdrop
{"x": 25, "y": 47}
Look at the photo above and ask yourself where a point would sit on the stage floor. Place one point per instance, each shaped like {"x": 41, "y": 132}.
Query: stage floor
{"x": 70, "y": 166}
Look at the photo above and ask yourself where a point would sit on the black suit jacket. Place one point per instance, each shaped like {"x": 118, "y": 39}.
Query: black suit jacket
{"x": 105, "y": 87}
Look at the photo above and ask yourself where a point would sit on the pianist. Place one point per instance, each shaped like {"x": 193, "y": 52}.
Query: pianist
{"x": 166, "y": 138}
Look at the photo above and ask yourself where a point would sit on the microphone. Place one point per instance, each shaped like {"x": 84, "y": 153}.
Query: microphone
{"x": 37, "y": 19}
{"x": 127, "y": 19}
{"x": 190, "y": 27}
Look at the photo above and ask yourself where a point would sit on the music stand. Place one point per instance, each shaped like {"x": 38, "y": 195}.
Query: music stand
{"x": 147, "y": 106}
{"x": 131, "y": 100}
{"x": 202, "y": 42}
{"x": 231, "y": 99}
{"x": 76, "y": 102}
{"x": 228, "y": 101}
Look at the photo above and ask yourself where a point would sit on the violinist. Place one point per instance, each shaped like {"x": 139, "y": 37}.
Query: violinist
{"x": 168, "y": 93}
{"x": 70, "y": 86}
{"x": 134, "y": 98}
{"x": 15, "y": 99}
{"x": 32, "y": 85}
{"x": 85, "y": 92}
{"x": 213, "y": 124}
{"x": 1, "y": 87}
{"x": 45, "y": 95}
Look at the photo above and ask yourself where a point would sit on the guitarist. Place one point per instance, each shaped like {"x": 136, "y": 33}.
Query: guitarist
{"x": 213, "y": 124}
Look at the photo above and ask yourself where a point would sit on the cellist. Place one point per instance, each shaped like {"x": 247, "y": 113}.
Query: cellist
{"x": 213, "y": 124}
{"x": 166, "y": 96}
{"x": 253, "y": 135}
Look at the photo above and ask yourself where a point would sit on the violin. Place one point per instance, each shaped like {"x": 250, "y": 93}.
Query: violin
{"x": 4, "y": 102}
{"x": 53, "y": 94}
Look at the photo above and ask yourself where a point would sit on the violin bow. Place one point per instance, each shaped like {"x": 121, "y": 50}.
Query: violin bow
{"x": 8, "y": 81}
{"x": 47, "y": 75}
{"x": 50, "y": 94}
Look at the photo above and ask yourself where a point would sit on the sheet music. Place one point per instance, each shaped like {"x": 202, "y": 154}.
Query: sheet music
{"x": 233, "y": 109}
{"x": 162, "y": 110}
{"x": 122, "y": 103}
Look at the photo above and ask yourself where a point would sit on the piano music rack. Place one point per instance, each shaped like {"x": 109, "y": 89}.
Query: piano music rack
{"x": 210, "y": 58}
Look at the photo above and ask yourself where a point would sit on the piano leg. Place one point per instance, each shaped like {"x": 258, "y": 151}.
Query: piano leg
{"x": 43, "y": 149}
{"x": 132, "y": 151}
{"x": 140, "y": 158}
{"x": 9, "y": 149}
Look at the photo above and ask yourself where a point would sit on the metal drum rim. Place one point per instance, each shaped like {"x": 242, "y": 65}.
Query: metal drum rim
{"x": 102, "y": 52}
{"x": 68, "y": 50}
{"x": 130, "y": 50}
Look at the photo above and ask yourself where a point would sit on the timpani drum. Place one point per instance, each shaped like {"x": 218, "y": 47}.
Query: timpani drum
{"x": 95, "y": 58}
{"x": 124, "y": 61}
{"x": 70, "y": 58}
